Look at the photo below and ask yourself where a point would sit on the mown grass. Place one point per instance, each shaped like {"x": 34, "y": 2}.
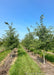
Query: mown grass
{"x": 4, "y": 54}
{"x": 24, "y": 65}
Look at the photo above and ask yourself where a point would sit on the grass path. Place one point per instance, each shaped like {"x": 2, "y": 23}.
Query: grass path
{"x": 4, "y": 54}
{"x": 24, "y": 65}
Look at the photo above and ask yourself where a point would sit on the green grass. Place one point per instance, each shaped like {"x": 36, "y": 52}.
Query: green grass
{"x": 24, "y": 65}
{"x": 2, "y": 47}
{"x": 4, "y": 54}
{"x": 51, "y": 51}
{"x": 50, "y": 57}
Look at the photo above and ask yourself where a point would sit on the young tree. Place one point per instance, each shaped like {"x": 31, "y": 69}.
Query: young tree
{"x": 11, "y": 40}
{"x": 28, "y": 39}
{"x": 44, "y": 36}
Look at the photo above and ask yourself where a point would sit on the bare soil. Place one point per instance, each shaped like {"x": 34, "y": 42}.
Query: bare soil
{"x": 50, "y": 53}
{"x": 7, "y": 63}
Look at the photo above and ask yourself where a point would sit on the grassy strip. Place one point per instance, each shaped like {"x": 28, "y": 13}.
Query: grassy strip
{"x": 2, "y": 47}
{"x": 4, "y": 54}
{"x": 24, "y": 65}
{"x": 50, "y": 57}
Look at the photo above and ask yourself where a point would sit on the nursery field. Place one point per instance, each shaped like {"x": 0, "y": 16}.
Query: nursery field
{"x": 29, "y": 54}
{"x": 24, "y": 65}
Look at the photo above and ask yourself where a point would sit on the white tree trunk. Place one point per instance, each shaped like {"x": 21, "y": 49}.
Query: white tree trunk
{"x": 43, "y": 58}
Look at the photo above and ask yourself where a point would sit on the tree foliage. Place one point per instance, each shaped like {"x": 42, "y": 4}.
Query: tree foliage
{"x": 11, "y": 40}
{"x": 44, "y": 40}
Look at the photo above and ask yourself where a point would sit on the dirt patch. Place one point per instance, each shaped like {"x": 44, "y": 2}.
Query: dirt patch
{"x": 50, "y": 53}
{"x": 7, "y": 63}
